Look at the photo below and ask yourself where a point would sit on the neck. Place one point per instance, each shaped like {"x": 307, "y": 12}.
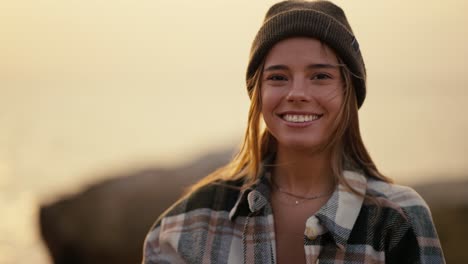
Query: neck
{"x": 303, "y": 173}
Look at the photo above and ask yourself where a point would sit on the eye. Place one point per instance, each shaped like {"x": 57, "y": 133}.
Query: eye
{"x": 276, "y": 77}
{"x": 321, "y": 76}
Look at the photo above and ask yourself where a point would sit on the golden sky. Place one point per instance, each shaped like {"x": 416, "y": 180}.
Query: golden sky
{"x": 95, "y": 86}
{"x": 89, "y": 87}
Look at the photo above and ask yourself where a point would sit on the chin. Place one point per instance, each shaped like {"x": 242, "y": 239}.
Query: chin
{"x": 301, "y": 145}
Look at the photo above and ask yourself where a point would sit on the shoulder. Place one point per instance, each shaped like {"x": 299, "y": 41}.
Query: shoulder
{"x": 416, "y": 236}
{"x": 187, "y": 221}
{"x": 216, "y": 196}
{"x": 404, "y": 200}
{"x": 395, "y": 208}
{"x": 396, "y": 196}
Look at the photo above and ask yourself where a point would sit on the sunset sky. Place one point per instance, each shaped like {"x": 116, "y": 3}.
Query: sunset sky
{"x": 94, "y": 87}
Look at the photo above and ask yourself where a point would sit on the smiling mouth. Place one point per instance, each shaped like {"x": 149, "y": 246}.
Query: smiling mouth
{"x": 300, "y": 118}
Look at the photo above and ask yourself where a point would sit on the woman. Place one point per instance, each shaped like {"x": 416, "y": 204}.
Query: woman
{"x": 303, "y": 188}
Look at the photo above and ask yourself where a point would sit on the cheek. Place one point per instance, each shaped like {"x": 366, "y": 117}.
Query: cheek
{"x": 333, "y": 101}
{"x": 270, "y": 100}
{"x": 265, "y": 102}
{"x": 333, "y": 94}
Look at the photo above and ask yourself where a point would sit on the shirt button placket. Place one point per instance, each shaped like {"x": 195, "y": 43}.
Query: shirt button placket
{"x": 313, "y": 230}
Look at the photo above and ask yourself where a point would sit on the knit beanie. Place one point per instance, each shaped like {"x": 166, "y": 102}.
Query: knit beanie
{"x": 321, "y": 20}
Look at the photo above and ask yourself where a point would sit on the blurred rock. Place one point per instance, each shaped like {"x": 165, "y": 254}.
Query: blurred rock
{"x": 107, "y": 222}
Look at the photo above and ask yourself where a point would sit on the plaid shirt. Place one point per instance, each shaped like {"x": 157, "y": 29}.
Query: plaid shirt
{"x": 220, "y": 224}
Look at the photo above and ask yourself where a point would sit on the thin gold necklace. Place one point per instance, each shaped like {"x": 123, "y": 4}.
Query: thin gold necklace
{"x": 299, "y": 198}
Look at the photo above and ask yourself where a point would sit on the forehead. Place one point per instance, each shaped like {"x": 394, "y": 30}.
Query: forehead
{"x": 300, "y": 50}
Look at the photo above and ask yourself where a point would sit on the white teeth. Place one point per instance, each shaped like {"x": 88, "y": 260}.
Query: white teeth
{"x": 300, "y": 118}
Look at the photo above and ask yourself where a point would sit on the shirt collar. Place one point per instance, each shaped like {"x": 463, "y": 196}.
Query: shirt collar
{"x": 255, "y": 197}
{"x": 341, "y": 211}
{"x": 252, "y": 199}
{"x": 337, "y": 216}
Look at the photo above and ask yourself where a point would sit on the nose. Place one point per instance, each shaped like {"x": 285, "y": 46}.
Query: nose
{"x": 298, "y": 91}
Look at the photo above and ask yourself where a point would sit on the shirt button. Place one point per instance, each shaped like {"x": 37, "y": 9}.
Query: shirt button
{"x": 256, "y": 201}
{"x": 313, "y": 228}
{"x": 310, "y": 233}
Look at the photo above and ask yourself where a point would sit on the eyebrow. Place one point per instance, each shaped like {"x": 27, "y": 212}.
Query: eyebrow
{"x": 310, "y": 66}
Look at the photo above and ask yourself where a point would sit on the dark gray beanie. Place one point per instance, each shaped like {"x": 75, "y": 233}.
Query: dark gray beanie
{"x": 322, "y": 20}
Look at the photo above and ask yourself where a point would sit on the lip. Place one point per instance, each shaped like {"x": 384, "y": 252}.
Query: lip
{"x": 301, "y": 124}
{"x": 297, "y": 113}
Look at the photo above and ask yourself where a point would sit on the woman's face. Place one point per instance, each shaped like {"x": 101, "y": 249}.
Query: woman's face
{"x": 302, "y": 91}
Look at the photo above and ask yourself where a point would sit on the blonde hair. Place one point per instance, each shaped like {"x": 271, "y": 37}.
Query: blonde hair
{"x": 346, "y": 145}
